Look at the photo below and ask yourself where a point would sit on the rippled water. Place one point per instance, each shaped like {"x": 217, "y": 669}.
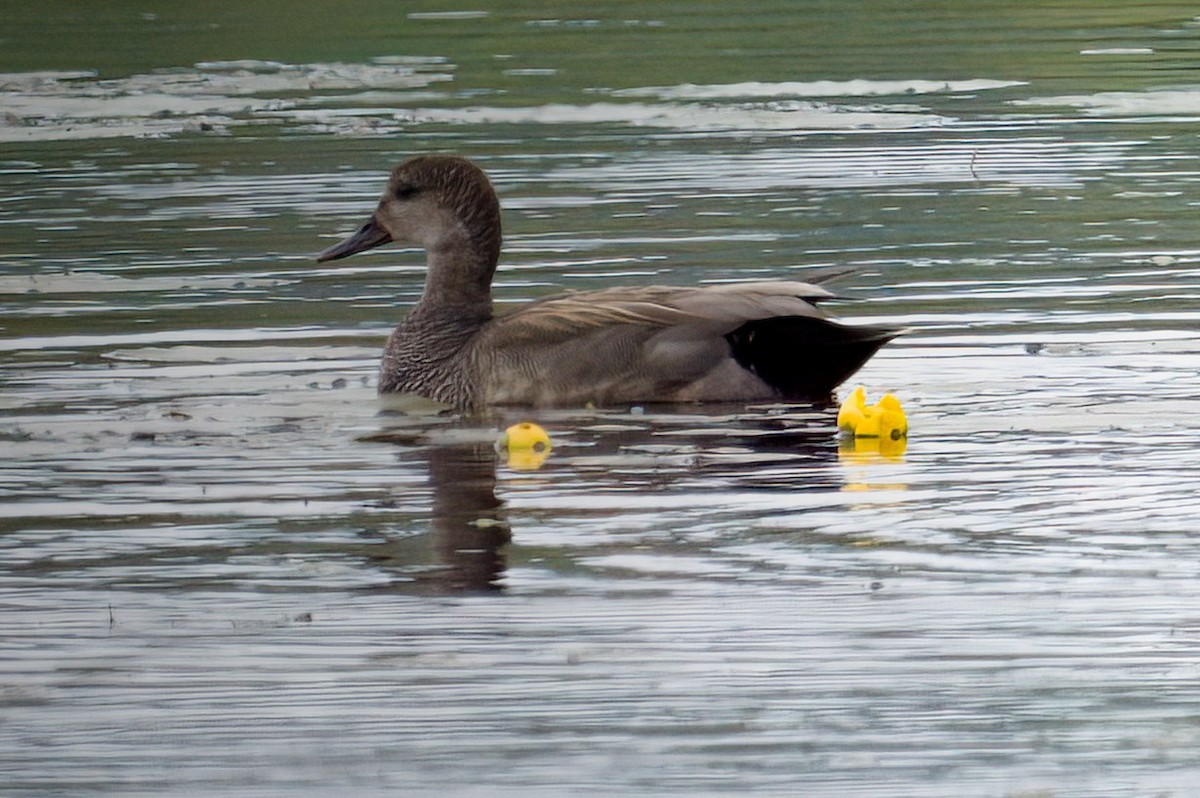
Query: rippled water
{"x": 227, "y": 567}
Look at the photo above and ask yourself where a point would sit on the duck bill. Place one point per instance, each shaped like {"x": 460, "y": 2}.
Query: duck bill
{"x": 366, "y": 237}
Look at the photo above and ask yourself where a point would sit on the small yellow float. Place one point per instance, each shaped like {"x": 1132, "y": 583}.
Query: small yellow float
{"x": 872, "y": 431}
{"x": 884, "y": 419}
{"x": 527, "y": 446}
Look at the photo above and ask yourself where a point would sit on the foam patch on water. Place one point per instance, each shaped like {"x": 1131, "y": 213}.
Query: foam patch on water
{"x": 392, "y": 93}
{"x": 206, "y": 98}
{"x": 1182, "y": 102}
{"x": 77, "y": 282}
{"x": 819, "y": 88}
{"x": 258, "y": 353}
{"x": 685, "y": 116}
{"x": 1031, "y": 162}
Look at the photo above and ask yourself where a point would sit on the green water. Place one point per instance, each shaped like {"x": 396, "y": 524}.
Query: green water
{"x": 224, "y": 566}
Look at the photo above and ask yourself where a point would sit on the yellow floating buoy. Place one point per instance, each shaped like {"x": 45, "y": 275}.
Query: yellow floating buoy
{"x": 884, "y": 420}
{"x": 852, "y": 413}
{"x": 527, "y": 444}
{"x": 863, "y": 451}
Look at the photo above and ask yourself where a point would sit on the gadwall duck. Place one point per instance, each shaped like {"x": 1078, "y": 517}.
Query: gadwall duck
{"x": 753, "y": 341}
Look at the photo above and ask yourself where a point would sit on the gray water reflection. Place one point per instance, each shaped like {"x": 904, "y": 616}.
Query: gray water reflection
{"x": 224, "y": 567}
{"x": 468, "y": 528}
{"x": 611, "y": 459}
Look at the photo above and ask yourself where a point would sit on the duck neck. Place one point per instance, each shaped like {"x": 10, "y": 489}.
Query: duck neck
{"x": 458, "y": 276}
{"x": 429, "y": 353}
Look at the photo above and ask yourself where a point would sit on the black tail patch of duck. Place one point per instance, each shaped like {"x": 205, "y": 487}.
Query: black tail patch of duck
{"x": 803, "y": 358}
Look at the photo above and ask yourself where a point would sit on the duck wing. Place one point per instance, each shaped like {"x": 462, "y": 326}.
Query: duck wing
{"x": 737, "y": 341}
{"x": 709, "y": 307}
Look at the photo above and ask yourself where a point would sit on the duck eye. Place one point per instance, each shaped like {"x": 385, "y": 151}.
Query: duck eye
{"x": 405, "y": 191}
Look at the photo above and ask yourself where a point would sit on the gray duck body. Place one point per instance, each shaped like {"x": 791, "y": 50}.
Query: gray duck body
{"x": 754, "y": 341}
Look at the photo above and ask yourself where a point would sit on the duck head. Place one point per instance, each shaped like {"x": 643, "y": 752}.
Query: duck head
{"x": 441, "y": 203}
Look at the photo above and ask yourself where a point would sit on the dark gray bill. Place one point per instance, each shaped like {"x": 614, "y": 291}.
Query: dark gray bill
{"x": 368, "y": 236}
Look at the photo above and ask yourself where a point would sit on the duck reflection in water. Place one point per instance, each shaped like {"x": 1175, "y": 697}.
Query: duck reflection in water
{"x": 470, "y": 530}
{"x": 781, "y": 449}
{"x": 466, "y": 548}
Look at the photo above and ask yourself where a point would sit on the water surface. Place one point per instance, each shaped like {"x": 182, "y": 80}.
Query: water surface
{"x": 227, "y": 566}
